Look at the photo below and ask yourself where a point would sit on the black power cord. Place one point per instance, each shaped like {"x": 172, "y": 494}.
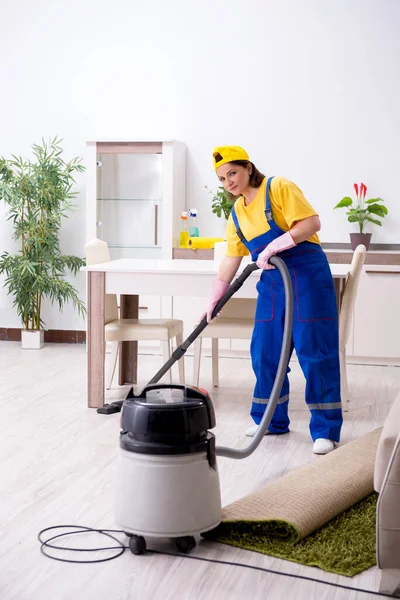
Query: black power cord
{"x": 120, "y": 548}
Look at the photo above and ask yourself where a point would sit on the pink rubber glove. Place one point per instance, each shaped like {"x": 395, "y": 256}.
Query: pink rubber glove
{"x": 218, "y": 289}
{"x": 283, "y": 242}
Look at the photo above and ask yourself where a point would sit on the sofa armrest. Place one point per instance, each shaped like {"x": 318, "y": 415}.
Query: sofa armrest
{"x": 388, "y": 514}
{"x": 390, "y": 431}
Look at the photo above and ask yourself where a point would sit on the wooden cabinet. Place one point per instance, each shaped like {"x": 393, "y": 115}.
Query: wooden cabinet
{"x": 135, "y": 192}
{"x": 377, "y": 316}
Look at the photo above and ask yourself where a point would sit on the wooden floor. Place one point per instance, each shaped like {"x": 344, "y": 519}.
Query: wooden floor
{"x": 57, "y": 461}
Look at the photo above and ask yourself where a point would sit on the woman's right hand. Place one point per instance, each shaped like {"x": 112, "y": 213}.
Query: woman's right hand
{"x": 218, "y": 289}
{"x": 227, "y": 270}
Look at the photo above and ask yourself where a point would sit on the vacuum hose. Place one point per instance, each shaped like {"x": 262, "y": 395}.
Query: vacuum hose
{"x": 280, "y": 374}
{"x": 283, "y": 360}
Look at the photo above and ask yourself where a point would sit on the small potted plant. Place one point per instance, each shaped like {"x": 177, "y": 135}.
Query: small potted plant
{"x": 362, "y": 212}
{"x": 222, "y": 202}
{"x": 38, "y": 194}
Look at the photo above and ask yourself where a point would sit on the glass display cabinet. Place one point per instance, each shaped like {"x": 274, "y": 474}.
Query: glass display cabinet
{"x": 135, "y": 193}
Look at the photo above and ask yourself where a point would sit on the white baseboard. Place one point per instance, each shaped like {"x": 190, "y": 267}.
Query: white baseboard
{"x": 377, "y": 361}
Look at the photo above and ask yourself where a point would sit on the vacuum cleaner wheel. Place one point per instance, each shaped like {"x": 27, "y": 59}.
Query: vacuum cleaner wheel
{"x": 185, "y": 544}
{"x": 137, "y": 544}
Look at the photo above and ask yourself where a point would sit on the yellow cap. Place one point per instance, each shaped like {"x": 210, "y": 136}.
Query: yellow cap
{"x": 228, "y": 153}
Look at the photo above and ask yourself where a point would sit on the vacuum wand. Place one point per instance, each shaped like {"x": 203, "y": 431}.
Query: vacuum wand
{"x": 180, "y": 350}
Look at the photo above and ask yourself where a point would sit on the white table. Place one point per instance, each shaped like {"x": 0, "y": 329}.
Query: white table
{"x": 132, "y": 277}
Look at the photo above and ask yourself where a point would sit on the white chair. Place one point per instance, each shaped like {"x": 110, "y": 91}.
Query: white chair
{"x": 227, "y": 326}
{"x": 132, "y": 330}
{"x": 346, "y": 317}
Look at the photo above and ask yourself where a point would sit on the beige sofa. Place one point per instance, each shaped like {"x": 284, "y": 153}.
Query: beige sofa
{"x": 387, "y": 484}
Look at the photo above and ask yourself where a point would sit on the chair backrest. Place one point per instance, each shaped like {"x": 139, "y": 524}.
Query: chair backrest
{"x": 96, "y": 252}
{"x": 239, "y": 308}
{"x": 350, "y": 294}
{"x": 220, "y": 253}
{"x": 219, "y": 250}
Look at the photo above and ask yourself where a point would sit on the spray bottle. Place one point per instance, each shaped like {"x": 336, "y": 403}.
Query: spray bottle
{"x": 194, "y": 230}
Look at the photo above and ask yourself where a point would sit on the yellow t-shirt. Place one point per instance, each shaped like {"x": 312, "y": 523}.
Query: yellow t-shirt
{"x": 288, "y": 206}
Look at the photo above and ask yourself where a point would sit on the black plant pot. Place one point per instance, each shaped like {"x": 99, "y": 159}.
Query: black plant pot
{"x": 360, "y": 238}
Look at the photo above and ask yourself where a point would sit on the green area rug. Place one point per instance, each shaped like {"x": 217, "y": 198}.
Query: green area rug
{"x": 345, "y": 545}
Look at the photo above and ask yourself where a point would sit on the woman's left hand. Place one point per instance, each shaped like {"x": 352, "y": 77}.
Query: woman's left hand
{"x": 283, "y": 242}
{"x": 263, "y": 259}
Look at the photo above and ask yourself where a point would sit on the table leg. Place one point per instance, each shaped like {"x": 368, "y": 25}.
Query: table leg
{"x": 129, "y": 309}
{"x": 96, "y": 342}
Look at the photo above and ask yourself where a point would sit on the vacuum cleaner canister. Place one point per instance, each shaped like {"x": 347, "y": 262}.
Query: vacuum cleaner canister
{"x": 167, "y": 478}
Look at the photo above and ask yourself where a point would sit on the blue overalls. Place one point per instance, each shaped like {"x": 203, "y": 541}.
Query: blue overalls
{"x": 315, "y": 333}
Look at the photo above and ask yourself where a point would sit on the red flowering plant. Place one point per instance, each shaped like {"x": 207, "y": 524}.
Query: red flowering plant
{"x": 363, "y": 211}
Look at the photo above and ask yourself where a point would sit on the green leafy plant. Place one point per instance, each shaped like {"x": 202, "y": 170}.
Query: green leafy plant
{"x": 222, "y": 202}
{"x": 39, "y": 196}
{"x": 363, "y": 211}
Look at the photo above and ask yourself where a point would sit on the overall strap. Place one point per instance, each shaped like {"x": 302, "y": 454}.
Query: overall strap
{"x": 268, "y": 212}
{"x": 238, "y": 230}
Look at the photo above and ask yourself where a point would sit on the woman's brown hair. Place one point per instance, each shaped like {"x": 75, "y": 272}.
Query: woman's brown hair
{"x": 256, "y": 177}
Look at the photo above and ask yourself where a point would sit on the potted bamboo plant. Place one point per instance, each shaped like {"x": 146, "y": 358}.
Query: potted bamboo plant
{"x": 362, "y": 212}
{"x": 38, "y": 194}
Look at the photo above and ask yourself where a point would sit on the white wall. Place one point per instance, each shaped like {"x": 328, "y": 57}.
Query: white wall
{"x": 311, "y": 89}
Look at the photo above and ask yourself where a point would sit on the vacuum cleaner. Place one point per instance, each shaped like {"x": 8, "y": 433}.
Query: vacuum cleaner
{"x": 167, "y": 483}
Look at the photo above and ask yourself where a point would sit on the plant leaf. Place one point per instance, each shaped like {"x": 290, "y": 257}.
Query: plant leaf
{"x": 347, "y": 201}
{"x": 371, "y": 220}
{"x": 378, "y": 209}
{"x": 371, "y": 200}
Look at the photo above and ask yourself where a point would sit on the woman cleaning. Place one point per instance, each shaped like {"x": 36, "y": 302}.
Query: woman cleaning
{"x": 271, "y": 216}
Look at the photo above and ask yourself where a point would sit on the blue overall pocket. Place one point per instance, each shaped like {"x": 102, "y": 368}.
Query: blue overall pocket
{"x": 314, "y": 293}
{"x": 268, "y": 289}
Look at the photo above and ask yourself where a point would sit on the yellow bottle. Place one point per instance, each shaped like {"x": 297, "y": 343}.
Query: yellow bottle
{"x": 183, "y": 239}
{"x": 184, "y": 234}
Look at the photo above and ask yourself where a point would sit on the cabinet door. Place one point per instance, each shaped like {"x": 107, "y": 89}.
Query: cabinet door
{"x": 129, "y": 203}
{"x": 377, "y": 315}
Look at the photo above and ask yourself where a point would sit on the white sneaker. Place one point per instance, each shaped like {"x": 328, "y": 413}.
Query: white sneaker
{"x": 251, "y": 431}
{"x": 323, "y": 446}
